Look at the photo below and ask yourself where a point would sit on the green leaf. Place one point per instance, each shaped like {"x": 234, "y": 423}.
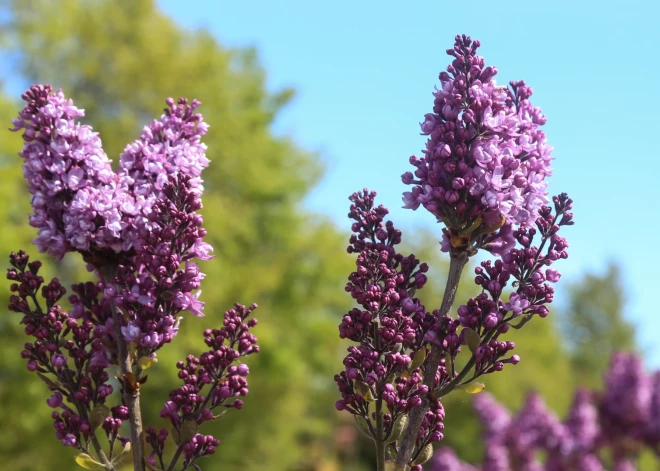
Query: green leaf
{"x": 174, "y": 433}
{"x": 365, "y": 390}
{"x": 51, "y": 384}
{"x": 475, "y": 387}
{"x": 87, "y": 462}
{"x": 472, "y": 339}
{"x": 189, "y": 429}
{"x": 424, "y": 455}
{"x": 474, "y": 225}
{"x": 399, "y": 426}
{"x": 124, "y": 457}
{"x": 147, "y": 362}
{"x": 525, "y": 319}
{"x": 416, "y": 362}
{"x": 98, "y": 415}
{"x": 363, "y": 425}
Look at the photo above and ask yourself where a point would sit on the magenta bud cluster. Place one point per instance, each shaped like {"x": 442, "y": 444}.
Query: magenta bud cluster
{"x": 216, "y": 379}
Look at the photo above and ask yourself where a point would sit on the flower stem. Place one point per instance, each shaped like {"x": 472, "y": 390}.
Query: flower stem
{"x": 175, "y": 458}
{"x": 101, "y": 455}
{"x": 380, "y": 437}
{"x": 131, "y": 398}
{"x": 456, "y": 264}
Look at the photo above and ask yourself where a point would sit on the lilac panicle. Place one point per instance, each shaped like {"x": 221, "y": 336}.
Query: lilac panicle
{"x": 486, "y": 158}
{"x": 626, "y": 402}
{"x": 140, "y": 231}
{"x": 582, "y": 423}
{"x": 168, "y": 148}
{"x": 494, "y": 417}
{"x": 535, "y": 426}
{"x": 491, "y": 314}
{"x": 483, "y": 174}
{"x": 161, "y": 279}
{"x": 211, "y": 381}
{"x": 68, "y": 174}
{"x": 65, "y": 353}
{"x": 618, "y": 422}
{"x": 389, "y": 327}
{"x": 79, "y": 202}
{"x": 653, "y": 425}
{"x": 142, "y": 220}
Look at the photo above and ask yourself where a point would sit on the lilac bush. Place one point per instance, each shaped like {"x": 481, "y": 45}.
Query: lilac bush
{"x": 483, "y": 176}
{"x": 603, "y": 430}
{"x": 140, "y": 233}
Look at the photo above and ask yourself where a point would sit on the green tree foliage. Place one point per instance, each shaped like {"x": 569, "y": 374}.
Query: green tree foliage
{"x": 594, "y": 326}
{"x": 119, "y": 61}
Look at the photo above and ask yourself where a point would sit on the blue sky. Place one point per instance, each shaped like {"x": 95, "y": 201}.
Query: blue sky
{"x": 365, "y": 70}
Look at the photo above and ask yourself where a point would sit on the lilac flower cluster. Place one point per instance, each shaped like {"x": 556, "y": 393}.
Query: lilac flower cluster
{"x": 66, "y": 354}
{"x": 139, "y": 231}
{"x": 64, "y": 163}
{"x": 156, "y": 284}
{"x": 141, "y": 220}
{"x": 486, "y": 158}
{"x": 483, "y": 174}
{"x": 488, "y": 315}
{"x": 389, "y": 327}
{"x": 187, "y": 408}
{"x": 79, "y": 202}
{"x": 621, "y": 419}
{"x": 394, "y": 332}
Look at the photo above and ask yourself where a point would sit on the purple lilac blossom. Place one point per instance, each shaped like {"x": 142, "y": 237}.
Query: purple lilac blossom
{"x": 73, "y": 187}
{"x": 486, "y": 158}
{"x": 216, "y": 369}
{"x": 142, "y": 218}
{"x": 582, "y": 423}
{"x": 139, "y": 230}
{"x": 626, "y": 402}
{"x": 488, "y": 314}
{"x": 65, "y": 352}
{"x": 390, "y": 326}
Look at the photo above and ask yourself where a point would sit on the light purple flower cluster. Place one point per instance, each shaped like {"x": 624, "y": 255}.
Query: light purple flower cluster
{"x": 486, "y": 158}
{"x": 138, "y": 229}
{"x": 64, "y": 163}
{"x": 621, "y": 419}
{"x": 141, "y": 219}
{"x": 156, "y": 284}
{"x": 629, "y": 404}
{"x": 187, "y": 408}
{"x": 79, "y": 202}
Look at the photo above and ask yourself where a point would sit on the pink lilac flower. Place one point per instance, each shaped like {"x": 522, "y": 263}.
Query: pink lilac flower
{"x": 69, "y": 176}
{"x": 486, "y": 158}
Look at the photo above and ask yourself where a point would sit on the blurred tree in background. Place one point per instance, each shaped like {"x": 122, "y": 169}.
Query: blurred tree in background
{"x": 593, "y": 324}
{"x": 119, "y": 61}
